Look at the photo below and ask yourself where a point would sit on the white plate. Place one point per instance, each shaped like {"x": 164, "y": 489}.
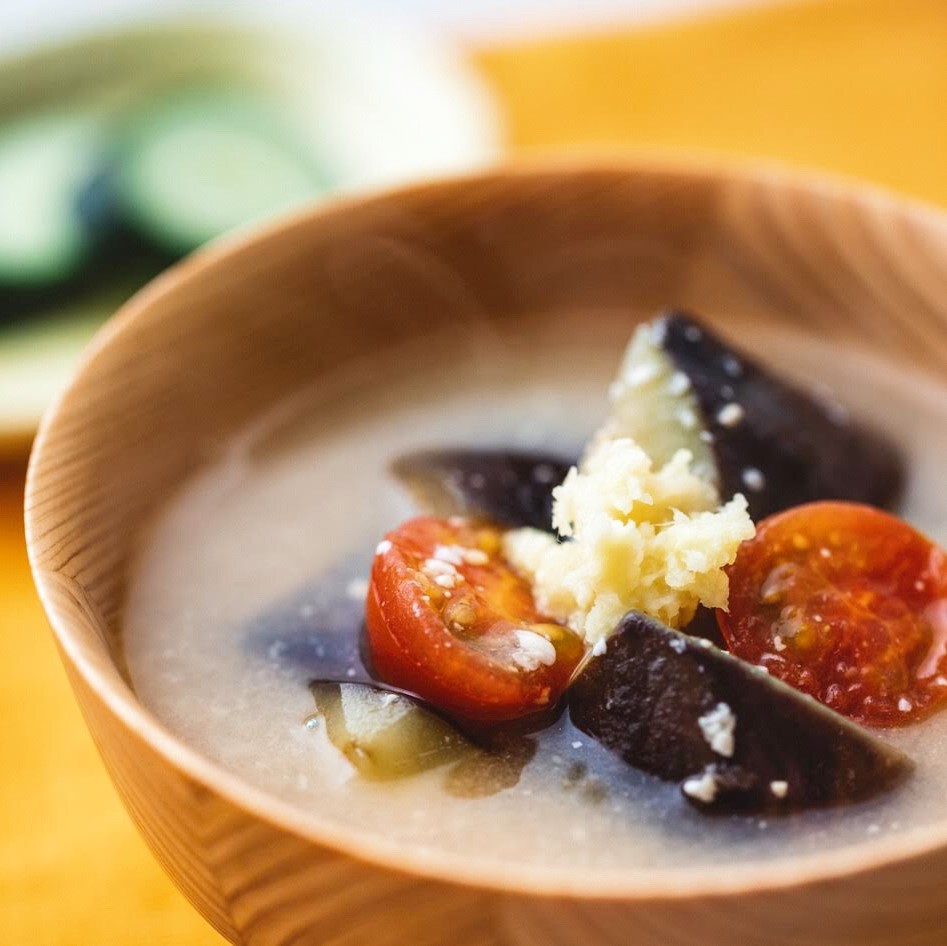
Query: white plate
{"x": 386, "y": 106}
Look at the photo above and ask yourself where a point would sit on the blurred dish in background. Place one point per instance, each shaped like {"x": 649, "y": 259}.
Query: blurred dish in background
{"x": 121, "y": 153}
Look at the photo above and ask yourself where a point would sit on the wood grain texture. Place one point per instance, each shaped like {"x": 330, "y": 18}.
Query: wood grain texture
{"x": 228, "y": 334}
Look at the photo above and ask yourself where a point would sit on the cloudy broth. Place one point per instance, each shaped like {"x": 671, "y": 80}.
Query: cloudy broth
{"x": 268, "y": 546}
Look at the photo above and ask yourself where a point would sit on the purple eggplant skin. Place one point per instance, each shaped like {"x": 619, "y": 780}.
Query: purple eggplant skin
{"x": 508, "y": 487}
{"x": 780, "y": 446}
{"x": 643, "y": 697}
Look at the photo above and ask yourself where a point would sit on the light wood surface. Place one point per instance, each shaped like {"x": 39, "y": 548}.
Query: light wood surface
{"x": 856, "y": 86}
{"x": 227, "y": 335}
{"x": 72, "y": 869}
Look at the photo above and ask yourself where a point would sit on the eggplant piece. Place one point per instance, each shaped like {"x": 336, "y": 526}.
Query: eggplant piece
{"x": 508, "y": 487}
{"x": 385, "y": 735}
{"x": 736, "y": 738}
{"x": 683, "y": 386}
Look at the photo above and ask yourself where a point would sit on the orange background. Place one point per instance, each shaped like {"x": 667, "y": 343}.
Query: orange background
{"x": 858, "y": 87}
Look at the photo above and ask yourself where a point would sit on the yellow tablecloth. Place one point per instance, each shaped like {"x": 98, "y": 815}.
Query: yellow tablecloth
{"x": 855, "y": 86}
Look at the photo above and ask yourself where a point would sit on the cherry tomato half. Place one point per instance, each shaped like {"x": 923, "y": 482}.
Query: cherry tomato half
{"x": 450, "y": 621}
{"x": 848, "y": 604}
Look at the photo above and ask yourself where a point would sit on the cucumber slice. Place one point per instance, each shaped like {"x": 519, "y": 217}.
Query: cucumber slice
{"x": 44, "y": 162}
{"x": 192, "y": 168}
{"x": 37, "y": 355}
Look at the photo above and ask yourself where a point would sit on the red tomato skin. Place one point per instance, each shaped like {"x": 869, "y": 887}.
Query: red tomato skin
{"x": 848, "y": 604}
{"x": 464, "y": 676}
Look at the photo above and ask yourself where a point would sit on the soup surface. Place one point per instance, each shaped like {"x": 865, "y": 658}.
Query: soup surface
{"x": 252, "y": 566}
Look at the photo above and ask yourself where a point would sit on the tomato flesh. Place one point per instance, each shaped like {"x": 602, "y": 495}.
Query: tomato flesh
{"x": 848, "y": 604}
{"x": 450, "y": 621}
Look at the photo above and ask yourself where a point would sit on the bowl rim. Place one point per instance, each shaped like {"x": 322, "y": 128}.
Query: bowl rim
{"x": 613, "y": 884}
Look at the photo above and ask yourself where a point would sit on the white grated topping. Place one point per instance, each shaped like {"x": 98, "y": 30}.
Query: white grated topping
{"x": 659, "y": 331}
{"x": 382, "y": 547}
{"x": 441, "y": 573}
{"x": 458, "y": 555}
{"x": 532, "y": 650}
{"x": 679, "y": 383}
{"x": 437, "y": 566}
{"x": 718, "y": 727}
{"x": 702, "y": 787}
{"x": 687, "y": 418}
{"x": 778, "y": 643}
{"x": 677, "y": 644}
{"x": 779, "y": 788}
{"x": 641, "y": 375}
{"x": 600, "y": 645}
{"x": 905, "y": 705}
{"x": 730, "y": 415}
{"x": 449, "y": 553}
{"x": 753, "y": 479}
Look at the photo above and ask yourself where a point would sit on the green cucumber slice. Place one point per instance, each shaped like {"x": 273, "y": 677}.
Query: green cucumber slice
{"x": 37, "y": 354}
{"x": 44, "y": 162}
{"x": 193, "y": 167}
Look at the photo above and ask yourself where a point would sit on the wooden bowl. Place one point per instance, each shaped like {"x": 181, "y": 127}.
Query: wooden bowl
{"x": 228, "y": 333}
